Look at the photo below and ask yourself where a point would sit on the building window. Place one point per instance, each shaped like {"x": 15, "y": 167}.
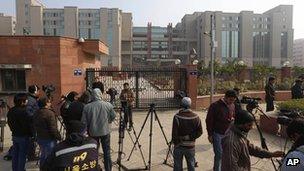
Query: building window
{"x": 89, "y": 14}
{"x": 261, "y": 45}
{"x": 284, "y": 44}
{"x": 13, "y": 80}
{"x": 55, "y": 32}
{"x": 230, "y": 44}
{"x": 223, "y": 18}
{"x": 89, "y": 23}
{"x": 89, "y": 33}
{"x": 54, "y": 22}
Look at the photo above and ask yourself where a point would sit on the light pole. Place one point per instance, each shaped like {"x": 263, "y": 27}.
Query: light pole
{"x": 213, "y": 44}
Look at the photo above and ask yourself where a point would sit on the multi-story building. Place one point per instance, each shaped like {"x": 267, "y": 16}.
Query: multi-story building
{"x": 104, "y": 24}
{"x": 155, "y": 46}
{"x": 254, "y": 38}
{"x": 298, "y": 52}
{"x": 7, "y": 25}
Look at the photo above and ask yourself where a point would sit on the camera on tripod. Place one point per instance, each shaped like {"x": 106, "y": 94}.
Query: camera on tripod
{"x": 252, "y": 102}
{"x": 48, "y": 89}
{"x": 3, "y": 103}
{"x": 287, "y": 116}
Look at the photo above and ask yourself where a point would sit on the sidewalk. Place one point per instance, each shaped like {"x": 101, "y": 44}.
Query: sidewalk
{"x": 204, "y": 151}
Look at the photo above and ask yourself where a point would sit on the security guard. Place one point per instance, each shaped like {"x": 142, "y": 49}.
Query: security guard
{"x": 76, "y": 153}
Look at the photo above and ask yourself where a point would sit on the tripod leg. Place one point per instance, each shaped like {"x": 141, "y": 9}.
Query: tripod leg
{"x": 150, "y": 142}
{"x": 140, "y": 150}
{"x": 161, "y": 128}
{"x": 137, "y": 138}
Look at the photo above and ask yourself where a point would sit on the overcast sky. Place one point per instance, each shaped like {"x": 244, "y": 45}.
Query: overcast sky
{"x": 161, "y": 12}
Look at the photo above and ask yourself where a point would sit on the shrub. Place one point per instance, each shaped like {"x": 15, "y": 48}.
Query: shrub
{"x": 295, "y": 104}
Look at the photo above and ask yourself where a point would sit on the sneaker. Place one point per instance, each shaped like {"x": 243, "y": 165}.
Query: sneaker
{"x": 7, "y": 158}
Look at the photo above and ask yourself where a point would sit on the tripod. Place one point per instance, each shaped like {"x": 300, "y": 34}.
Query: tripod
{"x": 263, "y": 140}
{"x": 122, "y": 128}
{"x": 151, "y": 112}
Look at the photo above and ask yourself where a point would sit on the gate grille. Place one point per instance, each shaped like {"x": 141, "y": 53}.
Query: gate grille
{"x": 158, "y": 86}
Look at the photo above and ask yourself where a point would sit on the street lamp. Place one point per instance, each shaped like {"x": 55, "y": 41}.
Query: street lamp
{"x": 241, "y": 63}
{"x": 213, "y": 43}
{"x": 286, "y": 64}
{"x": 195, "y": 62}
{"x": 177, "y": 61}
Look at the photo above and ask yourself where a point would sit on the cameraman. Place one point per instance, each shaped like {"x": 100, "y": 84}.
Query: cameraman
{"x": 127, "y": 100}
{"x": 237, "y": 149}
{"x": 31, "y": 108}
{"x": 295, "y": 132}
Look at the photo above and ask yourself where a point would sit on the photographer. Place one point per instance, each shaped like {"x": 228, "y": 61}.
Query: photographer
{"x": 295, "y": 132}
{"x": 186, "y": 129}
{"x": 71, "y": 97}
{"x": 237, "y": 149}
{"x": 31, "y": 108}
{"x": 127, "y": 100}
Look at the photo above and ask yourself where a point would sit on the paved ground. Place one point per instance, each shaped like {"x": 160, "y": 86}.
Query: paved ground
{"x": 204, "y": 153}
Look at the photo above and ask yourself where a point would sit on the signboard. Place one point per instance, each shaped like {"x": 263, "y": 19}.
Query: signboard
{"x": 77, "y": 72}
{"x": 193, "y": 72}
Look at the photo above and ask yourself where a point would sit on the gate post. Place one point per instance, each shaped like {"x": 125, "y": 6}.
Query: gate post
{"x": 137, "y": 89}
{"x": 192, "y": 84}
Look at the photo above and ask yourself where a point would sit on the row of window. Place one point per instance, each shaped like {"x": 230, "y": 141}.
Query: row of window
{"x": 53, "y": 22}
{"x": 53, "y": 14}
{"x": 89, "y": 23}
{"x": 88, "y": 14}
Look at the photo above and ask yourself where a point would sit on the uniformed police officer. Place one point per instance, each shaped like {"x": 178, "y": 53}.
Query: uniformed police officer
{"x": 75, "y": 153}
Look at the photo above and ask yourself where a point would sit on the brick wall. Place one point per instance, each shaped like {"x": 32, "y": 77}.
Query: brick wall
{"x": 53, "y": 60}
{"x": 203, "y": 102}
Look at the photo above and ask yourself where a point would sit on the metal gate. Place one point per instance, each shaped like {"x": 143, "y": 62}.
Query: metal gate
{"x": 158, "y": 86}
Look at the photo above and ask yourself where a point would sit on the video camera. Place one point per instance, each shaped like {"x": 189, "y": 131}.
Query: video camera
{"x": 287, "y": 116}
{"x": 180, "y": 94}
{"x": 48, "y": 89}
{"x": 3, "y": 103}
{"x": 252, "y": 102}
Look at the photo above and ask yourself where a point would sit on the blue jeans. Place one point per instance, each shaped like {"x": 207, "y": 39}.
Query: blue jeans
{"x": 20, "y": 148}
{"x": 105, "y": 143}
{"x": 217, "y": 148}
{"x": 46, "y": 148}
{"x": 179, "y": 153}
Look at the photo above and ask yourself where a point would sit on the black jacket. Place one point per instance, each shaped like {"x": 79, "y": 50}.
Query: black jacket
{"x": 19, "y": 122}
{"x": 75, "y": 151}
{"x": 269, "y": 92}
{"x": 296, "y": 91}
{"x": 74, "y": 111}
{"x": 32, "y": 105}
